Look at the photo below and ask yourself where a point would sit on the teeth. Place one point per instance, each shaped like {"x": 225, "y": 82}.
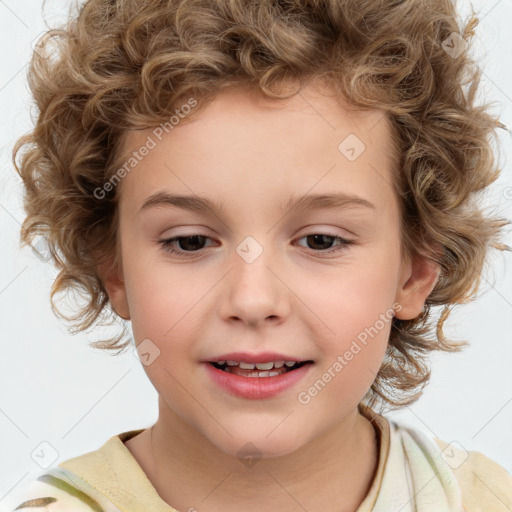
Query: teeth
{"x": 260, "y": 366}
{"x": 265, "y": 366}
{"x": 267, "y": 374}
{"x": 255, "y": 373}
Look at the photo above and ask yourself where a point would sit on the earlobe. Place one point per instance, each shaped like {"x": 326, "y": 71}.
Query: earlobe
{"x": 114, "y": 285}
{"x": 419, "y": 279}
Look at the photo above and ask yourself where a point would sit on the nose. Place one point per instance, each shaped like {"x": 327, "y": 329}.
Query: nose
{"x": 254, "y": 293}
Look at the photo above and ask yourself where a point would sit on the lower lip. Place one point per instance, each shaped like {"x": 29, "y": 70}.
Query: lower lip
{"x": 256, "y": 388}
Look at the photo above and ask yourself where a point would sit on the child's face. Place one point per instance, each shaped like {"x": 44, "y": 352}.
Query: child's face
{"x": 280, "y": 290}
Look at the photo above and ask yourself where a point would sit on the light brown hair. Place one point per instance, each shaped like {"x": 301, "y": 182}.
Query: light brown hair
{"x": 121, "y": 65}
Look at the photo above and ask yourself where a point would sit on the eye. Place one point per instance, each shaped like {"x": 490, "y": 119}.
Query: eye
{"x": 321, "y": 240}
{"x": 189, "y": 244}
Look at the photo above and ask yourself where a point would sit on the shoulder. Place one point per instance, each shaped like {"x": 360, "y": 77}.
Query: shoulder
{"x": 50, "y": 493}
{"x": 74, "y": 485}
{"x": 485, "y": 485}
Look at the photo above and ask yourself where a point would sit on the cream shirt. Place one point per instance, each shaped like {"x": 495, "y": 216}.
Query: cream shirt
{"x": 415, "y": 473}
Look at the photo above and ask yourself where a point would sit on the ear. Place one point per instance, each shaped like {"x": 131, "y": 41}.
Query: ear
{"x": 418, "y": 278}
{"x": 112, "y": 278}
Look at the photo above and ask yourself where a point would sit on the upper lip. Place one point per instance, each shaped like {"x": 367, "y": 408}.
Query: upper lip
{"x": 261, "y": 357}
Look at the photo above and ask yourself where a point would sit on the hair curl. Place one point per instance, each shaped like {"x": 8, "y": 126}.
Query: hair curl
{"x": 124, "y": 64}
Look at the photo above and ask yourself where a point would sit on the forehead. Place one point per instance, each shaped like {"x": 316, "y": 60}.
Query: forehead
{"x": 244, "y": 144}
{"x": 318, "y": 107}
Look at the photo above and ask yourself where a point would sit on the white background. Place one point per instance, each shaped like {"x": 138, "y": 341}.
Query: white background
{"x": 56, "y": 389}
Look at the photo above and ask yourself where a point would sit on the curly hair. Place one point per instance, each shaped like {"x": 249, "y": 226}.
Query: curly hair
{"x": 118, "y": 65}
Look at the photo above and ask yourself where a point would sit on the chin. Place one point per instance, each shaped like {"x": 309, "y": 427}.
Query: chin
{"x": 249, "y": 445}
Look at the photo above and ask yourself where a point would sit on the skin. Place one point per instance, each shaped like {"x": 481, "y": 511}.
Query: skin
{"x": 251, "y": 155}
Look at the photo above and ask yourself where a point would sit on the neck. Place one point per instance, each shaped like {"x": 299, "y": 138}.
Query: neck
{"x": 331, "y": 473}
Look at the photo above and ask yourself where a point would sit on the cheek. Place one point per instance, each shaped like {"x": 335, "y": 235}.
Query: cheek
{"x": 166, "y": 308}
{"x": 353, "y": 298}
{"x": 158, "y": 295}
{"x": 357, "y": 309}
{"x": 351, "y": 357}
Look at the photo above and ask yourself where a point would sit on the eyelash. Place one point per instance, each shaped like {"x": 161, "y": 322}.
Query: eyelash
{"x": 167, "y": 244}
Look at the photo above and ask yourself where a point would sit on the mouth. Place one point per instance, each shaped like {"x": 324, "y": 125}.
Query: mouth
{"x": 267, "y": 369}
{"x": 267, "y": 375}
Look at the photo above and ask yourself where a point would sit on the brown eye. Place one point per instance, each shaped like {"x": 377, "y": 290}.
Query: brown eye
{"x": 184, "y": 244}
{"x": 322, "y": 242}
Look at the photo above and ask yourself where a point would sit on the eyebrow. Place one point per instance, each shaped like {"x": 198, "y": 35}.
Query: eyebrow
{"x": 307, "y": 202}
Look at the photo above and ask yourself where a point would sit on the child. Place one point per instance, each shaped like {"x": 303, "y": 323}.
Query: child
{"x": 258, "y": 130}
